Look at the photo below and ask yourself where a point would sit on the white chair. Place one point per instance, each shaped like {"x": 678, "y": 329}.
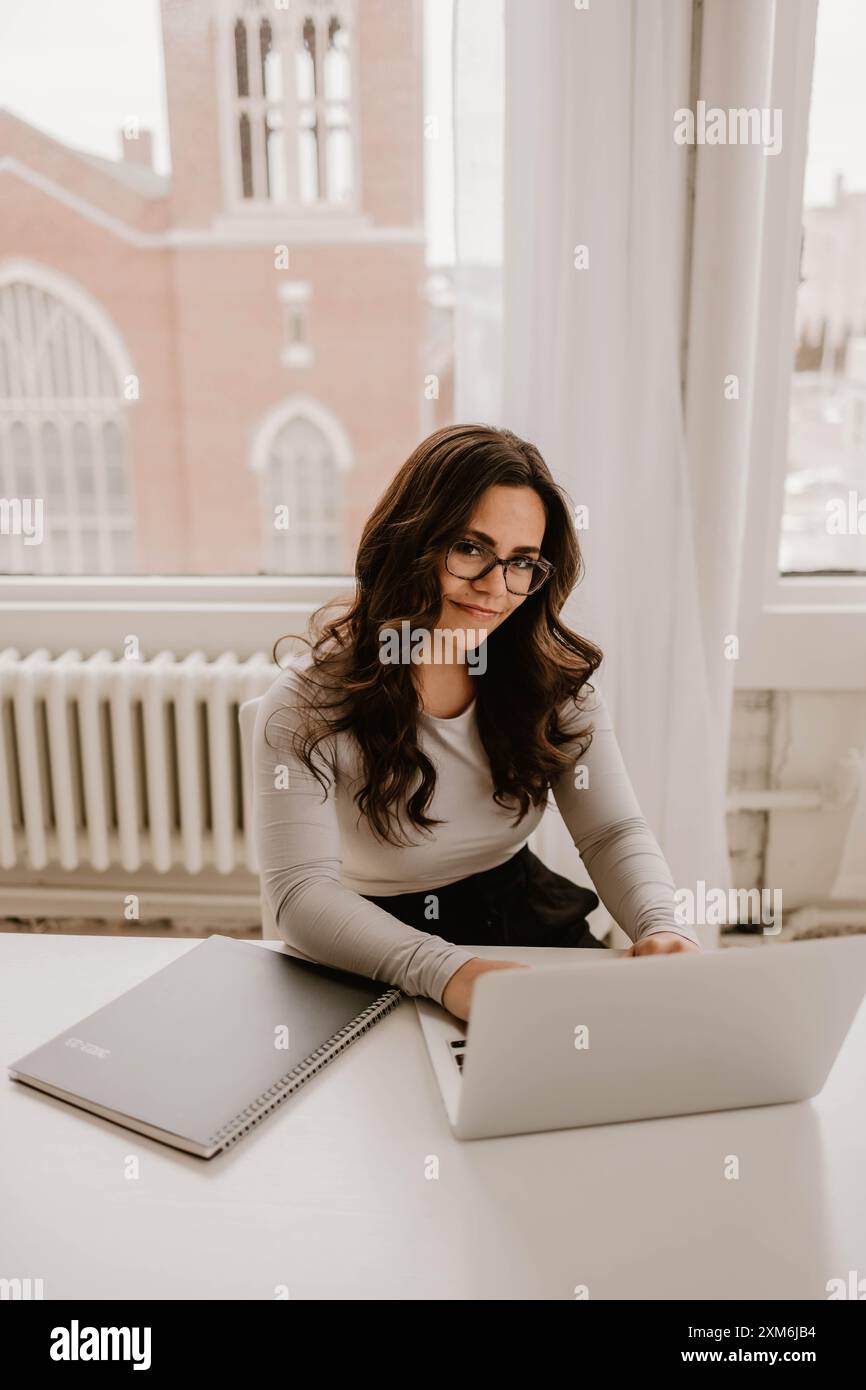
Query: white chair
{"x": 247, "y": 718}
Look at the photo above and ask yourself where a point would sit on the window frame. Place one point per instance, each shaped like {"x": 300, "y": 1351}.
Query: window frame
{"x": 317, "y": 534}
{"x": 800, "y": 632}
{"x": 796, "y": 633}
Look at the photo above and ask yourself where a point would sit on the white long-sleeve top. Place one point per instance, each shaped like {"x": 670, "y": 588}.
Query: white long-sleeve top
{"x": 317, "y": 853}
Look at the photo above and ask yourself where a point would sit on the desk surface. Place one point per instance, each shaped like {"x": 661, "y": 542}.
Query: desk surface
{"x": 331, "y": 1195}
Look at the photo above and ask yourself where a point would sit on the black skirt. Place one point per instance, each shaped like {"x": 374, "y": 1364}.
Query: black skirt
{"x": 519, "y": 903}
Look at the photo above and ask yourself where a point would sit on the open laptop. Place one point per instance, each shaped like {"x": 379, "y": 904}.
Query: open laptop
{"x": 592, "y": 1037}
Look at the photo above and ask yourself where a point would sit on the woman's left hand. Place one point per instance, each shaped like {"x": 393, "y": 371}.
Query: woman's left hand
{"x": 661, "y": 943}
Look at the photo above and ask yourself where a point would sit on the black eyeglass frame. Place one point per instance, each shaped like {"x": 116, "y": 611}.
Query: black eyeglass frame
{"x": 545, "y": 566}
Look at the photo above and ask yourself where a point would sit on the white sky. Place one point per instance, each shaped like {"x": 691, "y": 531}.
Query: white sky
{"x": 80, "y": 68}
{"x": 837, "y": 127}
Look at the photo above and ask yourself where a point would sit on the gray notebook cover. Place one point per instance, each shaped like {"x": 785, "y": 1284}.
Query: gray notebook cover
{"x": 190, "y": 1055}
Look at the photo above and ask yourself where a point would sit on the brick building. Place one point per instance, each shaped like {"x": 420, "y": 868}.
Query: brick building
{"x": 188, "y": 364}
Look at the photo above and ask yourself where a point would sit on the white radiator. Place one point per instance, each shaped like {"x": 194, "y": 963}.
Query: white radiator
{"x": 131, "y": 763}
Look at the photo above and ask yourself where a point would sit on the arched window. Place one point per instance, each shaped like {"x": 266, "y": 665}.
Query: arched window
{"x": 63, "y": 446}
{"x": 301, "y": 455}
{"x": 288, "y": 90}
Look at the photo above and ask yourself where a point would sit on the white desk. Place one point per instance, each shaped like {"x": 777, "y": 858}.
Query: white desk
{"x": 328, "y": 1196}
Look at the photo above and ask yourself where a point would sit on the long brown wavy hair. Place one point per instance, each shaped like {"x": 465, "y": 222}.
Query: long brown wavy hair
{"x": 533, "y": 662}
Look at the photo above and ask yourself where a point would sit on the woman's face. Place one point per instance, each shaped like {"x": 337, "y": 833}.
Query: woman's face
{"x": 509, "y": 521}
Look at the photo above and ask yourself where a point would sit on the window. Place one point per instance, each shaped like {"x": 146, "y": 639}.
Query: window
{"x": 824, "y": 517}
{"x": 803, "y": 611}
{"x": 268, "y": 329}
{"x": 302, "y": 456}
{"x": 294, "y": 296}
{"x": 291, "y": 131}
{"x": 63, "y": 457}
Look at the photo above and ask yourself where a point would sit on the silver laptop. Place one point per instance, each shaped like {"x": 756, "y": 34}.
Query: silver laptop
{"x": 592, "y": 1037}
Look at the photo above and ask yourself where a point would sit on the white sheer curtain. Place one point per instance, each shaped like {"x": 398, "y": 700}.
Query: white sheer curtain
{"x": 592, "y": 359}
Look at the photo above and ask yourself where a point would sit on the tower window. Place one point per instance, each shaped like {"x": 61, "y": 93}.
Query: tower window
{"x": 292, "y": 139}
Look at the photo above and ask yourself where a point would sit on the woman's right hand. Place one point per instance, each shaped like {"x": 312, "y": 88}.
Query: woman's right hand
{"x": 457, "y": 996}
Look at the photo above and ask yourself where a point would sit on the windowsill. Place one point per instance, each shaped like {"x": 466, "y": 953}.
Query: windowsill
{"x": 176, "y": 613}
{"x": 165, "y": 587}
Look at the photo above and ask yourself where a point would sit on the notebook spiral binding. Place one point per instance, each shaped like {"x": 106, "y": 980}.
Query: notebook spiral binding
{"x": 240, "y": 1124}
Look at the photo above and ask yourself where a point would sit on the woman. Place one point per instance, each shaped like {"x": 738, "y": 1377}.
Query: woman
{"x": 397, "y": 781}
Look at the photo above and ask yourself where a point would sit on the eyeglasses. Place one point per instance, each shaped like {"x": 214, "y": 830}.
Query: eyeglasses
{"x": 470, "y": 560}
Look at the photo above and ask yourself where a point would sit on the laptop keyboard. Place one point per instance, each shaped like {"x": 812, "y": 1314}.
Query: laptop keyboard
{"x": 458, "y": 1052}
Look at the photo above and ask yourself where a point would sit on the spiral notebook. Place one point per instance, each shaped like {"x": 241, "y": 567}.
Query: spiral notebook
{"x": 205, "y": 1048}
